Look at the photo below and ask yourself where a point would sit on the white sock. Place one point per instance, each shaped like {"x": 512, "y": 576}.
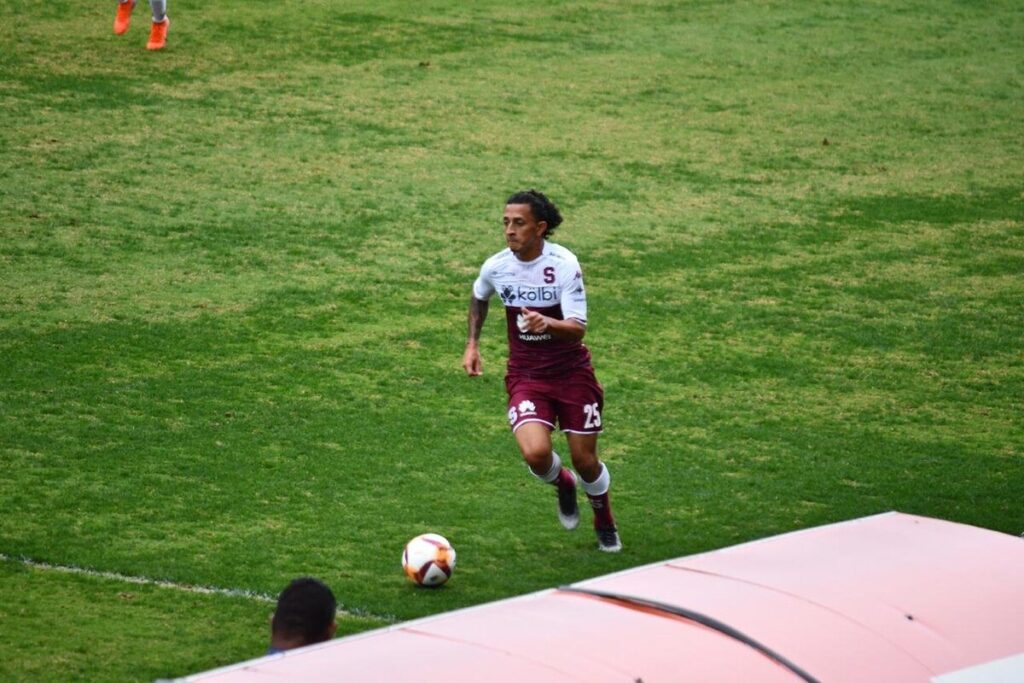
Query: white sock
{"x": 551, "y": 474}
{"x": 159, "y": 8}
{"x": 600, "y": 485}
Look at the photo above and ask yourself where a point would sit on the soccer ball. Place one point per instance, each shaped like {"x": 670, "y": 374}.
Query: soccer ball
{"x": 428, "y": 560}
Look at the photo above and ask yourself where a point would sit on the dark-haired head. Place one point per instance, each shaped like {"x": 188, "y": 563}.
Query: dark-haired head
{"x": 305, "y": 613}
{"x": 542, "y": 208}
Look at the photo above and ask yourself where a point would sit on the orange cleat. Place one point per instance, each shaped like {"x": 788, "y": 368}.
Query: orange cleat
{"x": 124, "y": 16}
{"x": 158, "y": 34}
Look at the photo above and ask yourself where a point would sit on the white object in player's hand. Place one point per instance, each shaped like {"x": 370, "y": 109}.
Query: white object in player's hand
{"x": 428, "y": 560}
{"x": 523, "y": 323}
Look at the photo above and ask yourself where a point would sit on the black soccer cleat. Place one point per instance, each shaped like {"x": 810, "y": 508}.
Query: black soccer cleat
{"x": 568, "y": 509}
{"x": 608, "y": 539}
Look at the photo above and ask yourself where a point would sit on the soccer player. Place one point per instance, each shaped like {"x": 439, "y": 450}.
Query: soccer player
{"x": 306, "y": 613}
{"x": 550, "y": 379}
{"x": 157, "y": 32}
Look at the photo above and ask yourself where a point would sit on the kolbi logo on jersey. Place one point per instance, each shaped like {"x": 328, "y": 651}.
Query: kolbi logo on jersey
{"x": 524, "y": 296}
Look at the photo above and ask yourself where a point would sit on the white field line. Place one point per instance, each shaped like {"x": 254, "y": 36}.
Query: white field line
{"x": 141, "y": 580}
{"x": 161, "y": 583}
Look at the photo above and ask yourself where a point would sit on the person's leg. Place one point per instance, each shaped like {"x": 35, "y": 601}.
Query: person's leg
{"x": 579, "y": 404}
{"x": 532, "y": 419}
{"x": 161, "y": 22}
{"x": 583, "y": 448}
{"x": 159, "y": 8}
{"x": 596, "y": 484}
{"x": 123, "y": 18}
{"x": 534, "y": 439}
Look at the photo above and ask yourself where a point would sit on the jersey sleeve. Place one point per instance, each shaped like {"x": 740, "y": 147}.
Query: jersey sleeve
{"x": 483, "y": 288}
{"x": 574, "y": 294}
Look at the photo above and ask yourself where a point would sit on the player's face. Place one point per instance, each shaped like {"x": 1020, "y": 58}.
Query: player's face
{"x": 524, "y": 234}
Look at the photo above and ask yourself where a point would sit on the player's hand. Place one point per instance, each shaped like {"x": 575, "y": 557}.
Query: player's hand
{"x": 533, "y": 321}
{"x": 471, "y": 362}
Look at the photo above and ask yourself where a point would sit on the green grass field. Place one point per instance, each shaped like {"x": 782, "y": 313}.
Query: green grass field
{"x": 235, "y": 277}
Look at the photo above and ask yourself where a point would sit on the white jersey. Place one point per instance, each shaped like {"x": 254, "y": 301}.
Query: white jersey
{"x": 552, "y": 285}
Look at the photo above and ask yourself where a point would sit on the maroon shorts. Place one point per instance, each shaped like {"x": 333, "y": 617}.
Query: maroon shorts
{"x": 574, "y": 402}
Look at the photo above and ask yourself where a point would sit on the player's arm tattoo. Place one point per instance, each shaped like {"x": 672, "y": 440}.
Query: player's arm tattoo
{"x": 477, "y": 316}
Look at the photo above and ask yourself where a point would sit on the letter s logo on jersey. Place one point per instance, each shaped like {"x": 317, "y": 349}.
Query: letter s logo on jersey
{"x": 549, "y": 275}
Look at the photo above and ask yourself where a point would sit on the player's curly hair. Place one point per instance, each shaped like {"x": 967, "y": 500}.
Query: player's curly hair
{"x": 305, "y": 609}
{"x": 542, "y": 208}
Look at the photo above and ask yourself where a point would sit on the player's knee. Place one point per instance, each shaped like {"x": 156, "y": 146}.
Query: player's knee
{"x": 535, "y": 444}
{"x": 538, "y": 458}
{"x": 586, "y": 463}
